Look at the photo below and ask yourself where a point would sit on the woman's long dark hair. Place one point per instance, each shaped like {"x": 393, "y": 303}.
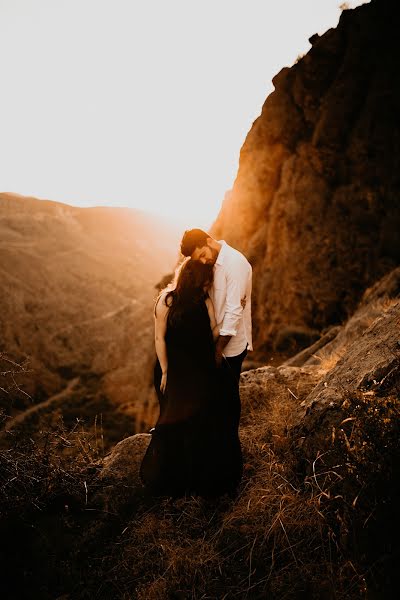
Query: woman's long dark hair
{"x": 192, "y": 279}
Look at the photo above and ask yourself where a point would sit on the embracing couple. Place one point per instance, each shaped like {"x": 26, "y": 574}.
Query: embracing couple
{"x": 202, "y": 334}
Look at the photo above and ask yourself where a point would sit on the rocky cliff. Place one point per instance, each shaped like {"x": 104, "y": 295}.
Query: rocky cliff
{"x": 315, "y": 205}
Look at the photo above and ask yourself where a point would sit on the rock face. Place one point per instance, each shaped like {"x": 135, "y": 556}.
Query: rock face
{"x": 362, "y": 361}
{"x": 316, "y": 194}
{"x": 76, "y": 293}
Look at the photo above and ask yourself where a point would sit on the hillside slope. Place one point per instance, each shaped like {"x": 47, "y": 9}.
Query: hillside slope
{"x": 76, "y": 293}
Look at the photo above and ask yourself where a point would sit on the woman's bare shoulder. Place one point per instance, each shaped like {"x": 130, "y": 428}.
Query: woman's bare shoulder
{"x": 162, "y": 304}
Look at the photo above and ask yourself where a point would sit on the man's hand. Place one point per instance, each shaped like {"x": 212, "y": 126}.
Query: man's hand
{"x": 219, "y": 348}
{"x": 218, "y": 357}
{"x": 163, "y": 384}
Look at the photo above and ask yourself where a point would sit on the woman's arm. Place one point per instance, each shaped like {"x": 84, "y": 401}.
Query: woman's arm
{"x": 213, "y": 322}
{"x": 160, "y": 328}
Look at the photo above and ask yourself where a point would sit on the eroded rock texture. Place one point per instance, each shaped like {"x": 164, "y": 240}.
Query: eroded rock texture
{"x": 315, "y": 205}
{"x": 363, "y": 360}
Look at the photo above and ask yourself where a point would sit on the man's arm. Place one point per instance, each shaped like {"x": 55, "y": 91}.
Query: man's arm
{"x": 236, "y": 280}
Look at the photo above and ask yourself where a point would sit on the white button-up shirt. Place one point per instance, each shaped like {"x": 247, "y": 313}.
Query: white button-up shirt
{"x": 232, "y": 284}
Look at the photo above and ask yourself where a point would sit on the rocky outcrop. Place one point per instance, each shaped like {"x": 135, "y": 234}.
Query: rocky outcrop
{"x": 362, "y": 362}
{"x": 315, "y": 203}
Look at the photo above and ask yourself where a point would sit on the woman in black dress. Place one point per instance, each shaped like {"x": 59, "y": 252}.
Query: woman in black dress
{"x": 195, "y": 447}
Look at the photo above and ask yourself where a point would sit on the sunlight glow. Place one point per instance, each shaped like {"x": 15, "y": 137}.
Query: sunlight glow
{"x": 142, "y": 104}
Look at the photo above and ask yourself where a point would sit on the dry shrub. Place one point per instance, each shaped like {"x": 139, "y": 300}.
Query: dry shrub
{"x": 12, "y": 375}
{"x": 355, "y": 484}
{"x": 35, "y": 473}
{"x": 45, "y": 488}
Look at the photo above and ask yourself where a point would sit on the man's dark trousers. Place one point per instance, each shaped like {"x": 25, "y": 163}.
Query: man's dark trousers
{"x": 235, "y": 363}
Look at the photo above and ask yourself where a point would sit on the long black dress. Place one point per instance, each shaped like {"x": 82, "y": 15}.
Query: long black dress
{"x": 195, "y": 447}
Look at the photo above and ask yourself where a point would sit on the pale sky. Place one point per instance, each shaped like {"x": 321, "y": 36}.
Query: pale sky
{"x": 141, "y": 103}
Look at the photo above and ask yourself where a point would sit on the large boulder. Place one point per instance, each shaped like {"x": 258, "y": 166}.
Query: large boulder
{"x": 118, "y": 486}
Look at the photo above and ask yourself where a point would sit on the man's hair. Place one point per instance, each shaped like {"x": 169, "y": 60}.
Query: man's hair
{"x": 192, "y": 239}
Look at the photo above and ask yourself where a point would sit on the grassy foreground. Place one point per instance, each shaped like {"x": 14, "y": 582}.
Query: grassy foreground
{"x": 290, "y": 533}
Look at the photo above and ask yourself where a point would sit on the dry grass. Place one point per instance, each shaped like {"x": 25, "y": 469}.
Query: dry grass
{"x": 328, "y": 360}
{"x": 35, "y": 473}
{"x": 280, "y": 538}
{"x": 11, "y": 373}
{"x": 379, "y": 308}
{"x": 272, "y": 541}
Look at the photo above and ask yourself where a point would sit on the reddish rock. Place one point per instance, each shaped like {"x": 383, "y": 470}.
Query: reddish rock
{"x": 317, "y": 189}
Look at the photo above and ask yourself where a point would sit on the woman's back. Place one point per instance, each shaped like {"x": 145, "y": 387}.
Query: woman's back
{"x": 191, "y": 366}
{"x": 195, "y": 446}
{"x": 189, "y": 338}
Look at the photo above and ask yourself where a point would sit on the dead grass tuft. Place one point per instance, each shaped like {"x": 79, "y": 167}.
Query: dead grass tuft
{"x": 328, "y": 360}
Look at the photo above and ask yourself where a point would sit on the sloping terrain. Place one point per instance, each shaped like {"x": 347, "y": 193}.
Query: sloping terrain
{"x": 76, "y": 293}
{"x": 316, "y": 515}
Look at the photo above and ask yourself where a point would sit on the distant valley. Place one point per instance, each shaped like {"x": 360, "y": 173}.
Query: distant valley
{"x": 76, "y": 292}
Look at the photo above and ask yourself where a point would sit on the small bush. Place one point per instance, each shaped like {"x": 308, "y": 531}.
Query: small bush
{"x": 355, "y": 483}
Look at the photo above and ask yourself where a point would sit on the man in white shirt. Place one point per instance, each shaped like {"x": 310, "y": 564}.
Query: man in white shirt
{"x": 230, "y": 293}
